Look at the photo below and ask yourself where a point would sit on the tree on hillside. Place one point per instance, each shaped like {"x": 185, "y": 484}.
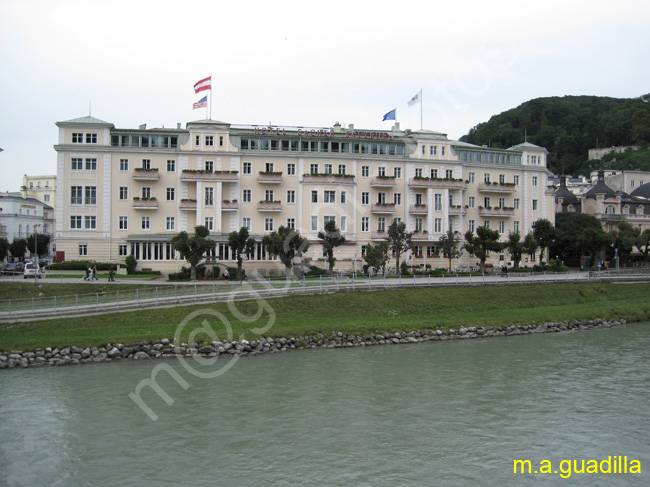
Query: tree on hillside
{"x": 332, "y": 238}
{"x": 192, "y": 249}
{"x": 241, "y": 244}
{"x": 544, "y": 233}
{"x": 286, "y": 244}
{"x": 530, "y": 245}
{"x": 399, "y": 240}
{"x": 480, "y": 244}
{"x": 449, "y": 246}
{"x": 377, "y": 256}
{"x": 515, "y": 247}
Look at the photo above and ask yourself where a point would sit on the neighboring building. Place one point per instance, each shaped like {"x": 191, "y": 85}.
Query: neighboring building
{"x": 41, "y": 188}
{"x": 598, "y": 154}
{"x": 129, "y": 191}
{"x": 625, "y": 181}
{"x": 21, "y": 217}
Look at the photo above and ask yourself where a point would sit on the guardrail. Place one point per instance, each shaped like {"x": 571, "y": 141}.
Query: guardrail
{"x": 169, "y": 295}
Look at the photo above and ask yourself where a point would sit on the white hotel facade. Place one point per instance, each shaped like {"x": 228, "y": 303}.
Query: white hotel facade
{"x": 129, "y": 191}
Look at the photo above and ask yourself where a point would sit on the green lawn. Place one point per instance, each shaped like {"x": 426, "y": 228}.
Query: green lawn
{"x": 358, "y": 312}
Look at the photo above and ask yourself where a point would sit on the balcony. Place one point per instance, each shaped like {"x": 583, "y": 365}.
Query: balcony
{"x": 269, "y": 206}
{"x": 141, "y": 174}
{"x": 418, "y": 209}
{"x": 379, "y": 235}
{"x": 457, "y": 210}
{"x": 419, "y": 236}
{"x": 199, "y": 175}
{"x": 328, "y": 178}
{"x": 188, "y": 205}
{"x": 229, "y": 205}
{"x": 497, "y": 187}
{"x": 383, "y": 208}
{"x": 419, "y": 182}
{"x": 145, "y": 204}
{"x": 383, "y": 181}
{"x": 496, "y": 211}
{"x": 269, "y": 177}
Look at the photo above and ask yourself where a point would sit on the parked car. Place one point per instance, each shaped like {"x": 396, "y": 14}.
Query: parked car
{"x": 13, "y": 269}
{"x": 8, "y": 268}
{"x": 32, "y": 270}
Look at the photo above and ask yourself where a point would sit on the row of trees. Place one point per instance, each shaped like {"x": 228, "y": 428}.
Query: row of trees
{"x": 20, "y": 246}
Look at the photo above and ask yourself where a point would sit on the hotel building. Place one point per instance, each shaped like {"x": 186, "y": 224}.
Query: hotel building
{"x": 129, "y": 191}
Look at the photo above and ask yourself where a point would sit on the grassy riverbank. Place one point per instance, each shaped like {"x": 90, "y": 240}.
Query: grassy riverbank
{"x": 350, "y": 313}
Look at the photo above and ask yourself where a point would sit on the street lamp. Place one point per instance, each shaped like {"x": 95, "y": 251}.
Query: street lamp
{"x": 36, "y": 266}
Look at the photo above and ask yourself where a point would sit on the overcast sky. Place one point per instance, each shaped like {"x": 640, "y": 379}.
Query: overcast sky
{"x": 303, "y": 63}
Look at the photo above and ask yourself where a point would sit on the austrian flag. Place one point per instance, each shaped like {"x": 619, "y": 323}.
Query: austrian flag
{"x": 204, "y": 84}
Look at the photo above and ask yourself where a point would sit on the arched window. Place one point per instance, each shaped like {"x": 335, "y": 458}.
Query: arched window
{"x": 610, "y": 210}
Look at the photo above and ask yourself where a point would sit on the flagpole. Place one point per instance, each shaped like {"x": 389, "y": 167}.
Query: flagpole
{"x": 210, "y": 96}
{"x": 421, "y": 103}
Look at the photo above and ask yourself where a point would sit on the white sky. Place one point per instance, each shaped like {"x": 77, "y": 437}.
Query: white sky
{"x": 301, "y": 63}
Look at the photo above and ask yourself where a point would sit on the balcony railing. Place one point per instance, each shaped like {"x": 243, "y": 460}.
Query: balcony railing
{"x": 496, "y": 211}
{"x": 418, "y": 209}
{"x": 269, "y": 177}
{"x": 383, "y": 181}
{"x": 420, "y": 236}
{"x": 146, "y": 174}
{"x": 418, "y": 182}
{"x": 457, "y": 210}
{"x": 150, "y": 204}
{"x": 328, "y": 178}
{"x": 269, "y": 206}
{"x": 497, "y": 187}
{"x": 383, "y": 208}
{"x": 190, "y": 175}
{"x": 188, "y": 205}
{"x": 229, "y": 205}
{"x": 379, "y": 235}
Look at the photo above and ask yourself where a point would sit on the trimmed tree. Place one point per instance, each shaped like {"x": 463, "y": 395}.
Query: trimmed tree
{"x": 643, "y": 243}
{"x": 286, "y": 244}
{"x": 4, "y": 248}
{"x": 449, "y": 246}
{"x": 530, "y": 245}
{"x": 399, "y": 240}
{"x": 332, "y": 238}
{"x": 42, "y": 243}
{"x": 17, "y": 248}
{"x": 192, "y": 249}
{"x": 544, "y": 233}
{"x": 515, "y": 247}
{"x": 481, "y": 243}
{"x": 377, "y": 256}
{"x": 240, "y": 243}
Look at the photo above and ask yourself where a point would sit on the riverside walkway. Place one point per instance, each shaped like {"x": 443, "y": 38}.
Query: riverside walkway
{"x": 165, "y": 294}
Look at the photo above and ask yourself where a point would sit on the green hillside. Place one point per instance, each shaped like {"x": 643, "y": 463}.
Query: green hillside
{"x": 571, "y": 125}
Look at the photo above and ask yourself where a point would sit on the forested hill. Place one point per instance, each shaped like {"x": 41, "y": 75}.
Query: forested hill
{"x": 569, "y": 126}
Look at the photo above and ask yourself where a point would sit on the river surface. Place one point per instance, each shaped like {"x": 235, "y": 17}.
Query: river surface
{"x": 454, "y": 413}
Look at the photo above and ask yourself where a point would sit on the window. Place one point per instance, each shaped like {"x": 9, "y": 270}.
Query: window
{"x": 328, "y": 169}
{"x": 365, "y": 171}
{"x": 123, "y": 222}
{"x": 248, "y": 168}
{"x": 486, "y": 223}
{"x": 424, "y": 149}
{"x": 418, "y": 172}
{"x": 171, "y": 165}
{"x": 343, "y": 197}
{"x": 75, "y": 222}
{"x": 397, "y": 198}
{"x": 146, "y": 193}
{"x": 486, "y": 202}
{"x": 365, "y": 198}
{"x": 381, "y": 171}
{"x": 534, "y": 205}
{"x": 328, "y": 218}
{"x": 170, "y": 223}
{"x": 209, "y": 223}
{"x": 502, "y": 178}
{"x": 515, "y": 179}
{"x": 268, "y": 224}
{"x": 198, "y": 140}
{"x": 381, "y": 198}
{"x": 145, "y": 223}
{"x": 314, "y": 223}
{"x": 269, "y": 195}
{"x": 381, "y": 224}
{"x": 486, "y": 177}
{"x": 314, "y": 196}
{"x": 515, "y": 203}
{"x": 146, "y": 163}
{"x": 91, "y": 138}
{"x": 502, "y": 226}
{"x": 419, "y": 224}
{"x": 433, "y": 150}
{"x": 171, "y": 194}
{"x": 631, "y": 183}
{"x": 329, "y": 196}
{"x": 269, "y": 167}
{"x": 124, "y": 164}
{"x": 365, "y": 223}
{"x": 209, "y": 166}
{"x": 502, "y": 202}
{"x": 443, "y": 150}
{"x": 83, "y": 249}
{"x": 471, "y": 177}
{"x": 610, "y": 209}
{"x": 46, "y": 198}
{"x": 221, "y": 141}
{"x": 246, "y": 222}
{"x": 76, "y": 195}
{"x": 124, "y": 193}
{"x": 91, "y": 195}
{"x": 341, "y": 168}
{"x": 437, "y": 225}
{"x": 209, "y": 140}
{"x": 209, "y": 196}
{"x": 449, "y": 173}
{"x": 471, "y": 202}
{"x": 91, "y": 164}
{"x": 77, "y": 138}
{"x": 437, "y": 201}
{"x": 291, "y": 196}
{"x": 77, "y": 164}
{"x": 534, "y": 180}
{"x": 418, "y": 199}
{"x": 397, "y": 172}
{"x": 471, "y": 226}
{"x": 515, "y": 226}
{"x": 291, "y": 169}
{"x": 123, "y": 250}
{"x": 313, "y": 169}
{"x": 246, "y": 195}
{"x": 343, "y": 224}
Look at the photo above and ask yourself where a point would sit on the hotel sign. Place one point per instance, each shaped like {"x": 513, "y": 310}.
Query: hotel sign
{"x": 349, "y": 134}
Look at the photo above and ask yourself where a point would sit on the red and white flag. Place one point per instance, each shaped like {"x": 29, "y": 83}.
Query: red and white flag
{"x": 204, "y": 84}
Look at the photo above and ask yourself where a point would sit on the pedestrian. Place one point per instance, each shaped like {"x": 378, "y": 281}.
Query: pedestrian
{"x": 95, "y": 278}
{"x": 88, "y": 273}
{"x": 111, "y": 273}
{"x": 226, "y": 276}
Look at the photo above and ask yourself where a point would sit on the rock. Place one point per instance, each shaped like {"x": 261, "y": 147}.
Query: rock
{"x": 141, "y": 355}
{"x": 114, "y": 352}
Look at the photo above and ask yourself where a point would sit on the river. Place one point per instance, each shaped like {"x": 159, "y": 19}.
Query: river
{"x": 455, "y": 413}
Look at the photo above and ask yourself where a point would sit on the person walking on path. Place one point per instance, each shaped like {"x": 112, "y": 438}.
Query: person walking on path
{"x": 226, "y": 276}
{"x": 111, "y": 273}
{"x": 95, "y": 278}
{"x": 88, "y": 274}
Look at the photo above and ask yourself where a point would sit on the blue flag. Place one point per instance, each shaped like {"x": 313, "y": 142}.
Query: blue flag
{"x": 390, "y": 115}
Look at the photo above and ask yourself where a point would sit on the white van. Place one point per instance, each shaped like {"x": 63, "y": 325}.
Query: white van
{"x": 32, "y": 270}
